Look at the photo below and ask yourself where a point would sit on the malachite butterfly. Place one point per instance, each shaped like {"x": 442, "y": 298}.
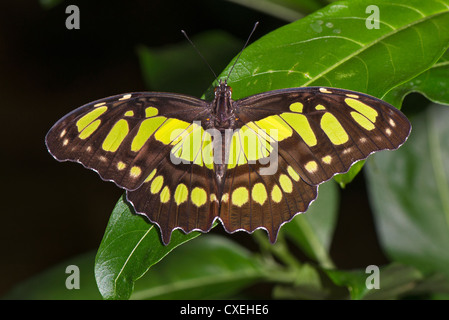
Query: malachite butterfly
{"x": 251, "y": 163}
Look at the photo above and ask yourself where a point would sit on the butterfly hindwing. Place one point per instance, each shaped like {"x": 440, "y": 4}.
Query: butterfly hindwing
{"x": 180, "y": 196}
{"x": 252, "y": 200}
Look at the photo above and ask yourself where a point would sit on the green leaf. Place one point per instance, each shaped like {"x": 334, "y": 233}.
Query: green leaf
{"x": 51, "y": 284}
{"x": 306, "y": 285}
{"x": 433, "y": 84}
{"x": 333, "y": 47}
{"x": 210, "y": 267}
{"x": 409, "y": 192}
{"x": 345, "y": 178}
{"x": 394, "y": 280}
{"x": 130, "y": 246}
{"x": 312, "y": 231}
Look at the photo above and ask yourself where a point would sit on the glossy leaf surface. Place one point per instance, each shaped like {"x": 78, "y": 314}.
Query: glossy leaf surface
{"x": 409, "y": 191}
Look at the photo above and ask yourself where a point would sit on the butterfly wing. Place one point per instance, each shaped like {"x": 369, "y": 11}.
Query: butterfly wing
{"x": 287, "y": 143}
{"x": 311, "y": 134}
{"x": 252, "y": 200}
{"x": 181, "y": 196}
{"x": 140, "y": 141}
{"x": 123, "y": 137}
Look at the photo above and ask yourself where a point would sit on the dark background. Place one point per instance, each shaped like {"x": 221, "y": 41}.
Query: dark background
{"x": 51, "y": 211}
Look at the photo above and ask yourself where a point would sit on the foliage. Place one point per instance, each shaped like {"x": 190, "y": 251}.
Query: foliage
{"x": 408, "y": 188}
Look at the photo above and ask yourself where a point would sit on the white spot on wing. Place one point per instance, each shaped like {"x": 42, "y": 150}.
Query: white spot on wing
{"x": 392, "y": 123}
{"x": 99, "y": 104}
{"x": 324, "y": 90}
{"x": 126, "y": 96}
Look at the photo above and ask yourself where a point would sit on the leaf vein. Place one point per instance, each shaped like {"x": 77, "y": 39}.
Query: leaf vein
{"x": 364, "y": 48}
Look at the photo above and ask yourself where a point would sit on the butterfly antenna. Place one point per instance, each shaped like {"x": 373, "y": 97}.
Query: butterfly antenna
{"x": 199, "y": 53}
{"x": 246, "y": 43}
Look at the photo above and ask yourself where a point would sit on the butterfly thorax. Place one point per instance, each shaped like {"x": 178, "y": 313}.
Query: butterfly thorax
{"x": 222, "y": 116}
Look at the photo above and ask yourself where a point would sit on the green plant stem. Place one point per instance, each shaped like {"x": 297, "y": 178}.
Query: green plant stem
{"x": 278, "y": 250}
{"x": 319, "y": 252}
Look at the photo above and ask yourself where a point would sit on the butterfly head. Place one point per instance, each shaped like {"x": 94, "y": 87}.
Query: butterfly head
{"x": 223, "y": 90}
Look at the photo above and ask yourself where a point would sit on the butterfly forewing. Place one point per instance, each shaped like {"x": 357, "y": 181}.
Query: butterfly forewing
{"x": 323, "y": 131}
{"x": 124, "y": 137}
